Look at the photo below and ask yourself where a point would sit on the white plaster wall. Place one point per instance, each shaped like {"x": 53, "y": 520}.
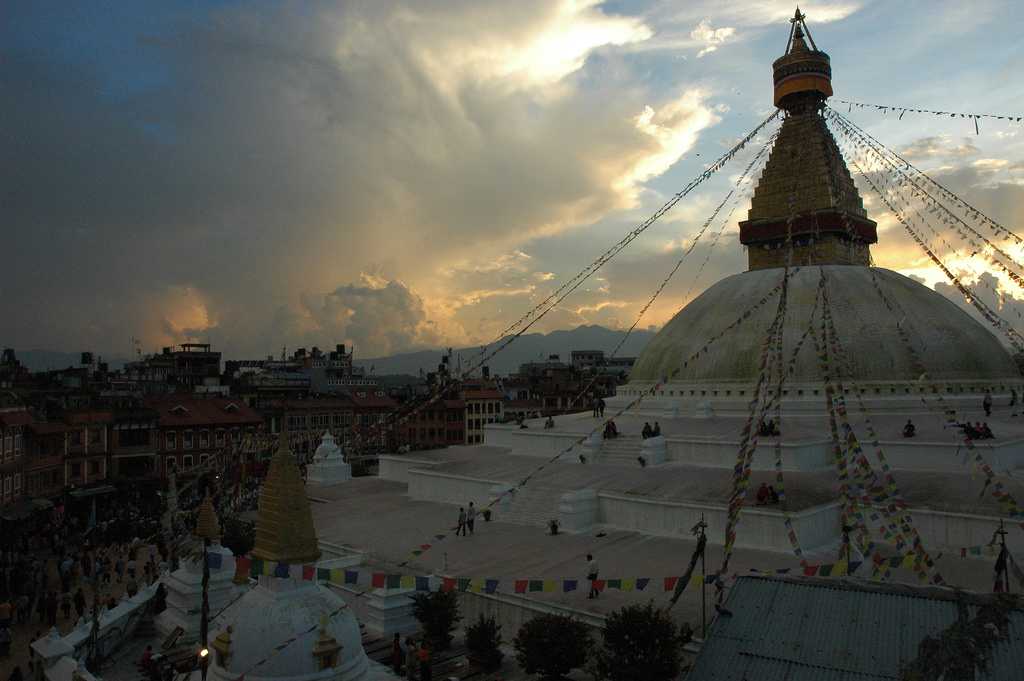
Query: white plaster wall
{"x": 810, "y": 456}
{"x": 940, "y": 530}
{"x": 920, "y": 455}
{"x": 761, "y": 529}
{"x": 529, "y": 441}
{"x": 428, "y": 485}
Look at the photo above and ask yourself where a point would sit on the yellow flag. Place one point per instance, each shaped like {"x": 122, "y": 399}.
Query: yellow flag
{"x": 337, "y": 576}
{"x": 628, "y": 584}
{"x": 549, "y": 585}
{"x": 407, "y": 582}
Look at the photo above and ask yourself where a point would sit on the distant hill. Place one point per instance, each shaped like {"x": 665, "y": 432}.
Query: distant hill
{"x": 527, "y": 348}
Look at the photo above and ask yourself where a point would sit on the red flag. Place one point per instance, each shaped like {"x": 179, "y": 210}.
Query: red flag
{"x": 810, "y": 570}
{"x": 670, "y": 583}
{"x": 378, "y": 580}
{"x": 447, "y": 584}
{"x": 243, "y": 565}
{"x": 308, "y": 572}
{"x": 521, "y": 585}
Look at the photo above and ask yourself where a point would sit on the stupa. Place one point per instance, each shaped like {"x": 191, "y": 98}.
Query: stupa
{"x": 806, "y": 194}
{"x": 327, "y": 642}
{"x": 329, "y": 466}
{"x": 185, "y": 585}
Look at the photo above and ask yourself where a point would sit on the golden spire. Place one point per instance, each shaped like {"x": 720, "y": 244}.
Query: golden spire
{"x": 284, "y": 525}
{"x": 207, "y": 525}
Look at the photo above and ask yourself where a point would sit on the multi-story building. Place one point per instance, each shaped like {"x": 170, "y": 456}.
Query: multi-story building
{"x": 44, "y": 464}
{"x": 373, "y": 419}
{"x": 191, "y": 429}
{"x": 134, "y": 443}
{"x": 14, "y": 422}
{"x": 483, "y": 405}
{"x": 440, "y": 424}
{"x": 86, "y": 455}
{"x": 191, "y": 366}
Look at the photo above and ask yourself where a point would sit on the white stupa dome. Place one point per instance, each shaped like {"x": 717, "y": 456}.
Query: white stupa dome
{"x": 274, "y": 612}
{"x": 328, "y": 448}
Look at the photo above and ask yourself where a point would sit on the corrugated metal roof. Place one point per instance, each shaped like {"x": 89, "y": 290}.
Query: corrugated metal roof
{"x": 794, "y": 630}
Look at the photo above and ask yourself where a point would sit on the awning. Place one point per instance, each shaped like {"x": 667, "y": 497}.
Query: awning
{"x": 93, "y": 491}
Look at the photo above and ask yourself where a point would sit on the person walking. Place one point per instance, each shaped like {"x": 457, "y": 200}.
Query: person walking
{"x": 471, "y": 517}
{"x": 411, "y": 659}
{"x": 592, "y": 572}
{"x": 397, "y": 654}
{"x": 461, "y": 528}
{"x": 423, "y": 655}
{"x": 986, "y": 404}
{"x": 600, "y": 407}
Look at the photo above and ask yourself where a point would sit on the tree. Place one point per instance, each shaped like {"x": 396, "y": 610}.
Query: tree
{"x": 483, "y": 639}
{"x": 438, "y": 613}
{"x": 239, "y": 536}
{"x": 552, "y": 645}
{"x": 641, "y": 643}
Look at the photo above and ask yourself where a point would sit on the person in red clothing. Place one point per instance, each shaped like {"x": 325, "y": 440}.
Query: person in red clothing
{"x": 424, "y": 656}
{"x": 763, "y": 494}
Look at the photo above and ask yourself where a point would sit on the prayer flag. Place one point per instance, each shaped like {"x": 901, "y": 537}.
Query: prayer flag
{"x": 408, "y": 582}
{"x": 393, "y": 581}
{"x": 825, "y": 571}
{"x": 642, "y": 582}
{"x": 447, "y": 584}
{"x": 521, "y": 585}
{"x": 338, "y": 576}
{"x": 490, "y": 585}
{"x": 422, "y": 584}
{"x": 378, "y": 580}
{"x": 670, "y": 583}
{"x": 810, "y": 570}
{"x": 243, "y": 565}
{"x": 569, "y": 585}
{"x": 628, "y": 584}
{"x": 256, "y": 568}
{"x": 425, "y": 547}
{"x": 214, "y": 560}
{"x": 282, "y": 570}
{"x": 308, "y": 572}
{"x": 536, "y": 585}
{"x": 323, "y": 574}
{"x": 350, "y": 577}
{"x": 463, "y": 584}
{"x": 599, "y": 584}
{"x": 549, "y": 586}
{"x": 614, "y": 583}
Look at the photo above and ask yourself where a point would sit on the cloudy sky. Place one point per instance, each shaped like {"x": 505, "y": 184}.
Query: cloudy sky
{"x": 404, "y": 174}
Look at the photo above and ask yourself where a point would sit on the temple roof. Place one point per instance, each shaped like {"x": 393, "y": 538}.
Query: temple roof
{"x": 284, "y": 526}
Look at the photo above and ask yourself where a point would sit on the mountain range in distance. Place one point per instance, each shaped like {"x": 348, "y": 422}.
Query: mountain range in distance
{"x": 530, "y": 347}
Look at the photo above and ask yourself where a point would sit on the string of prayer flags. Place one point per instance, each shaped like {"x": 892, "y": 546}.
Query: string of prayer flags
{"x": 975, "y": 117}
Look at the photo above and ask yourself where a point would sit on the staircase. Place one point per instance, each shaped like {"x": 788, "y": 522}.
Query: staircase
{"x": 621, "y": 451}
{"x": 531, "y": 505}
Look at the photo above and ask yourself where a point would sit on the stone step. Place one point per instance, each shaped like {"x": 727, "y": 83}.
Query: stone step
{"x": 531, "y": 506}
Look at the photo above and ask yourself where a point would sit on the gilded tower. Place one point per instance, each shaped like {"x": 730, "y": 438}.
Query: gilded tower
{"x": 284, "y": 526}
{"x": 806, "y": 192}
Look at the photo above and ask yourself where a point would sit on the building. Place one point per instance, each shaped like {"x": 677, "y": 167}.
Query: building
{"x": 440, "y": 424}
{"x": 12, "y": 372}
{"x": 47, "y": 451}
{"x": 134, "y": 443}
{"x": 373, "y": 422}
{"x": 804, "y": 629}
{"x": 191, "y": 429}
{"x": 484, "y": 404}
{"x": 192, "y": 366}
{"x": 88, "y": 446}
{"x": 14, "y": 423}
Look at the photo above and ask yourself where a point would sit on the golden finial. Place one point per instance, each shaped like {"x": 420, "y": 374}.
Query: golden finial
{"x": 284, "y": 525}
{"x": 326, "y": 648}
{"x": 222, "y": 644}
{"x": 207, "y": 525}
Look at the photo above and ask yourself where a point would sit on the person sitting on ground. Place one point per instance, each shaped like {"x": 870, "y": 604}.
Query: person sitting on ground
{"x": 550, "y": 423}
{"x": 146, "y": 661}
{"x": 610, "y": 431}
{"x": 763, "y": 495}
{"x": 986, "y": 432}
{"x": 646, "y": 432}
{"x": 909, "y": 430}
{"x": 773, "y": 496}
{"x": 656, "y": 431}
{"x": 968, "y": 430}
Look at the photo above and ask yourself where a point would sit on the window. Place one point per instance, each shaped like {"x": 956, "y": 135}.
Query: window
{"x": 172, "y": 440}
{"x": 17, "y": 442}
{"x": 94, "y": 467}
{"x": 170, "y": 464}
{"x": 76, "y": 438}
{"x": 187, "y": 462}
{"x": 7, "y": 486}
{"x": 204, "y": 438}
{"x": 218, "y": 438}
{"x": 94, "y": 436}
{"x": 76, "y": 470}
{"x": 236, "y": 435}
{"x": 187, "y": 440}
{"x": 203, "y": 458}
{"x": 17, "y": 482}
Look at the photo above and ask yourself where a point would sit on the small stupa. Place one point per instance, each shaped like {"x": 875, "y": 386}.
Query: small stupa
{"x": 292, "y": 628}
{"x": 329, "y": 466}
{"x": 185, "y": 585}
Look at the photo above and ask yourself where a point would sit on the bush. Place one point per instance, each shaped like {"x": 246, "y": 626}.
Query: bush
{"x": 552, "y": 646}
{"x": 438, "y": 613}
{"x": 483, "y": 639}
{"x": 641, "y": 643}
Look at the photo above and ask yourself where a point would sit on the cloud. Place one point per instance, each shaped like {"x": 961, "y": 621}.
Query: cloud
{"x": 262, "y": 158}
{"x": 710, "y": 37}
{"x": 938, "y": 146}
